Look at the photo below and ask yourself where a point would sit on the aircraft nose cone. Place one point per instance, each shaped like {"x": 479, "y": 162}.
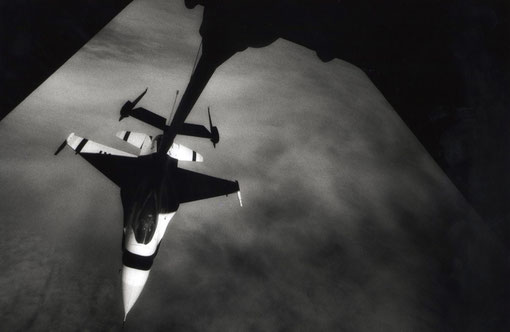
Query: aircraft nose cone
{"x": 133, "y": 281}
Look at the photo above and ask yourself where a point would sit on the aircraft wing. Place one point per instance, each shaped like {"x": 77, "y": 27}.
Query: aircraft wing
{"x": 190, "y": 129}
{"x": 191, "y": 186}
{"x": 118, "y": 166}
{"x": 120, "y": 170}
{"x": 37, "y": 37}
{"x": 148, "y": 117}
{"x": 155, "y": 120}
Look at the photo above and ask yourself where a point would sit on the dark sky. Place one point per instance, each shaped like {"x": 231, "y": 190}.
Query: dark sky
{"x": 348, "y": 224}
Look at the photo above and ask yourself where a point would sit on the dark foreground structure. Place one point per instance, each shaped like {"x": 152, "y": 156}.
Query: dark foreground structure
{"x": 37, "y": 37}
{"x": 443, "y": 65}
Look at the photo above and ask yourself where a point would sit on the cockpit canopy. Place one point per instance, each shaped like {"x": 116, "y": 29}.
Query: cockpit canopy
{"x": 156, "y": 142}
{"x": 144, "y": 227}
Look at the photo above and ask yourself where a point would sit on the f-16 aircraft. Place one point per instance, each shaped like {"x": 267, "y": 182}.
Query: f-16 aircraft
{"x": 152, "y": 187}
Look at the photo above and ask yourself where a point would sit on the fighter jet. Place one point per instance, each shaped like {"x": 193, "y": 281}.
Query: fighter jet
{"x": 152, "y": 187}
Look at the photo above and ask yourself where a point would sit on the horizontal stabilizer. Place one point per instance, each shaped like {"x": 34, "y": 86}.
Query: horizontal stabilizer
{"x": 83, "y": 145}
{"x": 182, "y": 153}
{"x": 138, "y": 140}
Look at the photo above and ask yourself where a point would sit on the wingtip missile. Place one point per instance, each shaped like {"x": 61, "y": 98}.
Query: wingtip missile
{"x": 240, "y": 198}
{"x": 239, "y": 194}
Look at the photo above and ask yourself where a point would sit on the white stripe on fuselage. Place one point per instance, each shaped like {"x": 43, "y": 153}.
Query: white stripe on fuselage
{"x": 148, "y": 249}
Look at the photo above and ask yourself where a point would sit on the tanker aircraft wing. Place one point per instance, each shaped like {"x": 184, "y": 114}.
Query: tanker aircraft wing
{"x": 40, "y": 36}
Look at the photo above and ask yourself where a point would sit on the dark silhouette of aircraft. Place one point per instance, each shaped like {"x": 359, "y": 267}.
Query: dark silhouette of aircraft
{"x": 152, "y": 187}
{"x": 155, "y": 120}
{"x": 37, "y": 37}
{"x": 443, "y": 65}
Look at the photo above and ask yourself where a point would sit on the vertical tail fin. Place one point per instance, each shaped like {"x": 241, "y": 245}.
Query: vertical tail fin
{"x": 128, "y": 106}
{"x": 62, "y": 146}
{"x": 138, "y": 140}
{"x": 215, "y": 135}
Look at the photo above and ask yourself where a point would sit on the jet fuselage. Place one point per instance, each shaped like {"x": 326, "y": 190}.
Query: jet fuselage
{"x": 151, "y": 186}
{"x": 149, "y": 204}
